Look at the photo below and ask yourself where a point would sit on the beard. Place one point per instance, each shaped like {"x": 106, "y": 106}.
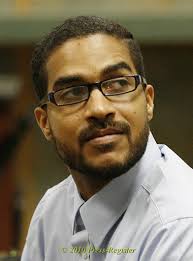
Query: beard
{"x": 78, "y": 162}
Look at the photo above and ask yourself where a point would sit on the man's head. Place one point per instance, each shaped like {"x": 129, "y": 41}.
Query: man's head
{"x": 101, "y": 136}
{"x": 76, "y": 28}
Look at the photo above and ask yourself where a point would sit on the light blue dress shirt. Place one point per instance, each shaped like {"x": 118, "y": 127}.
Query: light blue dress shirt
{"x": 145, "y": 214}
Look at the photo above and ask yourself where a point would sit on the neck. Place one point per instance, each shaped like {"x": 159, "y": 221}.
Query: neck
{"x": 88, "y": 186}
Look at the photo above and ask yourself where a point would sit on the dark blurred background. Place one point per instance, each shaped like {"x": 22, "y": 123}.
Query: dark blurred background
{"x": 28, "y": 165}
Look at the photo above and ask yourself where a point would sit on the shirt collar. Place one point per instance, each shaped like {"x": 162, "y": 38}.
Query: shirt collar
{"x": 103, "y": 209}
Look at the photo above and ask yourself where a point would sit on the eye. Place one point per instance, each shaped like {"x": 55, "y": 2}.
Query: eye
{"x": 75, "y": 91}
{"x": 116, "y": 85}
{"x": 72, "y": 94}
{"x": 119, "y": 83}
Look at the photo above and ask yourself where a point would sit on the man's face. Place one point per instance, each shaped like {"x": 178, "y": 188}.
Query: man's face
{"x": 120, "y": 121}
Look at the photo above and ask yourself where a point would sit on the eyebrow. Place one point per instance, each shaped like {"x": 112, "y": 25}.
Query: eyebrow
{"x": 116, "y": 67}
{"x": 66, "y": 80}
{"x": 60, "y": 82}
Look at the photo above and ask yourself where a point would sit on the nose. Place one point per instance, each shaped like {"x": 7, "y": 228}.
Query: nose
{"x": 98, "y": 107}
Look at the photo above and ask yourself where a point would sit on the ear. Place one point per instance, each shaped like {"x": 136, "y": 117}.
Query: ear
{"x": 149, "y": 94}
{"x": 42, "y": 120}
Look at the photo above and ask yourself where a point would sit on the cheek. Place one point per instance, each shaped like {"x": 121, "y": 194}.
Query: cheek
{"x": 65, "y": 129}
{"x": 135, "y": 114}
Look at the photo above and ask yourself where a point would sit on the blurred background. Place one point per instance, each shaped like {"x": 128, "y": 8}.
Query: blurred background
{"x": 28, "y": 164}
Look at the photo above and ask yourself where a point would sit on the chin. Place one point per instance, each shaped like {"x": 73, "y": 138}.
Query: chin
{"x": 109, "y": 165}
{"x": 105, "y": 161}
{"x": 107, "y": 158}
{"x": 106, "y": 167}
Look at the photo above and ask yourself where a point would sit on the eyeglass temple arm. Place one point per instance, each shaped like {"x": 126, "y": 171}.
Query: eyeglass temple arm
{"x": 143, "y": 80}
{"x": 44, "y": 100}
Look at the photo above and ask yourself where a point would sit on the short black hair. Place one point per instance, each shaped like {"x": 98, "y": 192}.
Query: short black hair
{"x": 78, "y": 27}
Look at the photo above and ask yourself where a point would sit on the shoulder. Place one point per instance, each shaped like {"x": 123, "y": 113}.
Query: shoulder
{"x": 60, "y": 194}
{"x": 173, "y": 195}
{"x": 170, "y": 193}
{"x": 172, "y": 163}
{"x": 55, "y": 203}
{"x": 171, "y": 241}
{"x": 61, "y": 189}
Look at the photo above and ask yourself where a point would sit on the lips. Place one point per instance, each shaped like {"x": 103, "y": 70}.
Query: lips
{"x": 105, "y": 132}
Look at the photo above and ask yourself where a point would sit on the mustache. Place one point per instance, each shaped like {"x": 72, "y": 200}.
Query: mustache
{"x": 95, "y": 127}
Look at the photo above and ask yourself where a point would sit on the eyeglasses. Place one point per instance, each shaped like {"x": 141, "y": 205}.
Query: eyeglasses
{"x": 112, "y": 87}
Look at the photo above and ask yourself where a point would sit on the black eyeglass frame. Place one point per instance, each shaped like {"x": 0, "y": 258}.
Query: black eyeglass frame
{"x": 50, "y": 96}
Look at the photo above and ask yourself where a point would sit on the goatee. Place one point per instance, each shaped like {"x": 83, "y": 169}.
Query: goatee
{"x": 77, "y": 161}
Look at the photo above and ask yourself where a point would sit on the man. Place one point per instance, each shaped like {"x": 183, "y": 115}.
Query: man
{"x": 126, "y": 198}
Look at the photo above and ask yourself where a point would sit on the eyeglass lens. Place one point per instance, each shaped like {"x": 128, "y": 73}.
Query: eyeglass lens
{"x": 80, "y": 93}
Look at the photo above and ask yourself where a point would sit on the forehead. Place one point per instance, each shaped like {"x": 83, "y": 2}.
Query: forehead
{"x": 88, "y": 57}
